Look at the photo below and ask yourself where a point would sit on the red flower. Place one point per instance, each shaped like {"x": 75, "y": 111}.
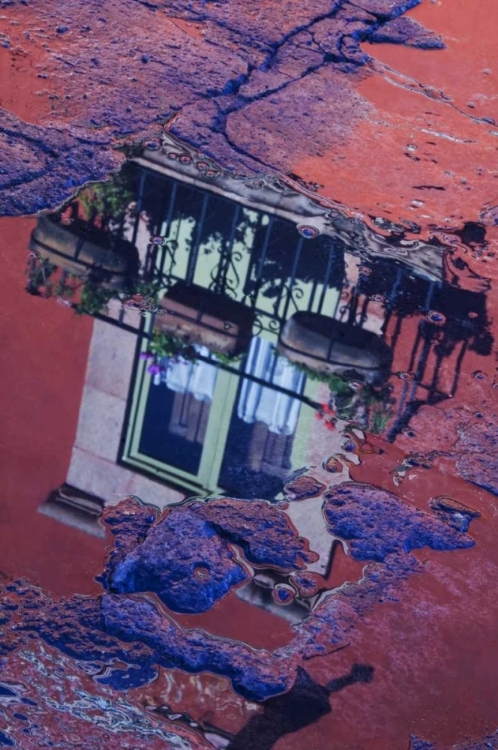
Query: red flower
{"x": 319, "y": 415}
{"x": 327, "y": 409}
{"x": 330, "y": 425}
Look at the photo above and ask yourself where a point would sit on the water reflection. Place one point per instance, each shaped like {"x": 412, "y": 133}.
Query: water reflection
{"x": 252, "y": 309}
{"x": 253, "y": 352}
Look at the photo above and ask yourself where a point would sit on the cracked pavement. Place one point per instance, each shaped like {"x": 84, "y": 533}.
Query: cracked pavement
{"x": 337, "y": 93}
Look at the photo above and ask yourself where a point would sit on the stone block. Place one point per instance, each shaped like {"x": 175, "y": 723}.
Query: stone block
{"x": 100, "y": 423}
{"x": 110, "y": 361}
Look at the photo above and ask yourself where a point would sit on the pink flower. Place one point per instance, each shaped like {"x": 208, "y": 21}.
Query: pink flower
{"x": 154, "y": 369}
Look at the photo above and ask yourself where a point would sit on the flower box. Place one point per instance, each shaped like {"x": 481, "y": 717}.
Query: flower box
{"x": 199, "y": 316}
{"x": 331, "y": 346}
{"x": 74, "y": 253}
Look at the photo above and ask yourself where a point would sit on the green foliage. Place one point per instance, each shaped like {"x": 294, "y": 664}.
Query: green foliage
{"x": 163, "y": 344}
{"x": 39, "y": 273}
{"x": 148, "y": 288}
{"x": 227, "y": 359}
{"x": 380, "y": 419}
{"x": 108, "y": 199}
{"x": 68, "y": 287}
{"x": 335, "y": 382}
{"x": 93, "y": 299}
{"x": 347, "y": 401}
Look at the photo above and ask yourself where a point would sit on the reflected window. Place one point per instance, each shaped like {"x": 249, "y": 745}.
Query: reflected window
{"x": 210, "y": 428}
{"x": 176, "y": 415}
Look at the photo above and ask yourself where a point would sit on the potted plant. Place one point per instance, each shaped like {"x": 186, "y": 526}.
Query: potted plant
{"x": 330, "y": 346}
{"x": 352, "y": 400}
{"x": 87, "y": 233}
{"x": 88, "y": 294}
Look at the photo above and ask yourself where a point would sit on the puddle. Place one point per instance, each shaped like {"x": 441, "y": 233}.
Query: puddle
{"x": 250, "y": 447}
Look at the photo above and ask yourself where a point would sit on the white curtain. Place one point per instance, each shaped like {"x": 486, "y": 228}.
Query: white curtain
{"x": 260, "y": 404}
{"x": 182, "y": 376}
{"x": 257, "y": 403}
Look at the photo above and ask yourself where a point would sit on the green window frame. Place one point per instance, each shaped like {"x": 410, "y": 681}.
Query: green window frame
{"x": 205, "y": 480}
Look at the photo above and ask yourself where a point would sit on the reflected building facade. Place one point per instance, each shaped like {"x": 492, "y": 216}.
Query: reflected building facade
{"x": 230, "y": 313}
